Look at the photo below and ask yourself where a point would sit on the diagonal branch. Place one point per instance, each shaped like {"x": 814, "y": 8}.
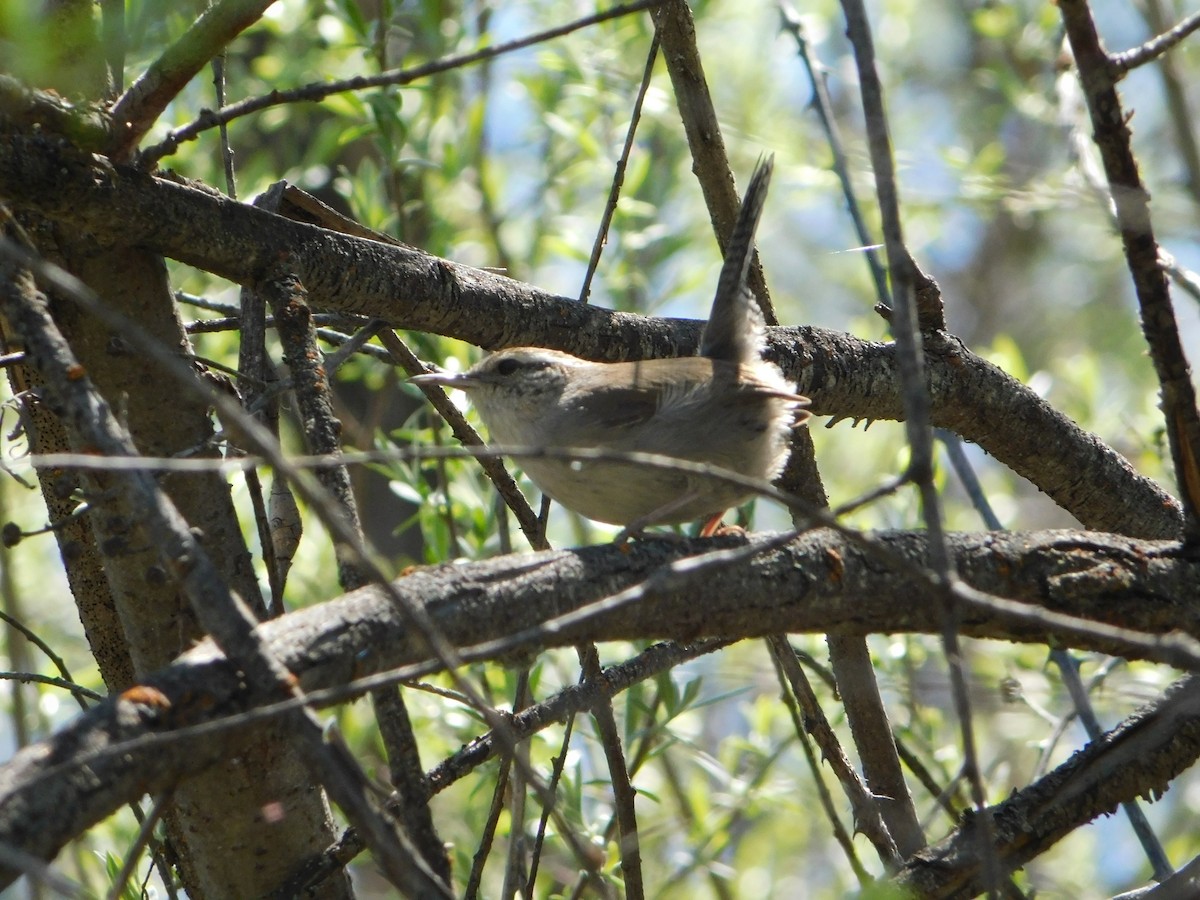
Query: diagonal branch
{"x": 321, "y": 90}
{"x": 124, "y": 747}
{"x": 676, "y": 31}
{"x": 137, "y": 111}
{"x": 221, "y": 612}
{"x": 845, "y": 376}
{"x": 1043, "y": 813}
{"x": 1120, "y": 63}
{"x": 1142, "y": 255}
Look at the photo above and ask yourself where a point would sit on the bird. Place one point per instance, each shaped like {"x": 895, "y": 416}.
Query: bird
{"x": 726, "y": 407}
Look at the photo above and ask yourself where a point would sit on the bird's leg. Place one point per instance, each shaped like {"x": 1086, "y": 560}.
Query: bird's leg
{"x": 638, "y": 525}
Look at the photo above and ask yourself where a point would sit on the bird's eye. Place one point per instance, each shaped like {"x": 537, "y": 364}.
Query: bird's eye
{"x": 507, "y": 366}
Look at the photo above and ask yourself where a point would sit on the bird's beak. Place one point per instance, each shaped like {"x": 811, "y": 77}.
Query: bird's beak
{"x": 444, "y": 379}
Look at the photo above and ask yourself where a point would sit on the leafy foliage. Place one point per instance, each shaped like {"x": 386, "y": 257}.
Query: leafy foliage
{"x": 507, "y": 165}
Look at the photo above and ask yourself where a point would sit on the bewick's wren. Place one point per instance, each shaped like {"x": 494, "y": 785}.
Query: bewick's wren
{"x": 727, "y": 407}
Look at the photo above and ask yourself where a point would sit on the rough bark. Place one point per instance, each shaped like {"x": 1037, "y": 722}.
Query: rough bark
{"x": 818, "y": 583}
{"x": 845, "y": 376}
{"x": 216, "y": 821}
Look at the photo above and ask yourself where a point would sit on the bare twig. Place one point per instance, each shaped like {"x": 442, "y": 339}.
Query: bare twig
{"x": 487, "y": 830}
{"x": 1120, "y": 63}
{"x": 491, "y": 464}
{"x": 1151, "y": 845}
{"x": 78, "y": 691}
{"x": 872, "y": 731}
{"x": 288, "y": 299}
{"x": 134, "y": 853}
{"x": 515, "y": 866}
{"x": 139, "y": 108}
{"x": 1025, "y": 821}
{"x": 907, "y": 328}
{"x": 676, "y": 31}
{"x": 868, "y": 817}
{"x": 823, "y": 106}
{"x": 1176, "y": 86}
{"x": 320, "y": 90}
{"x": 322, "y": 434}
{"x": 1142, "y": 256}
{"x": 1066, "y": 664}
{"x": 799, "y": 717}
{"x": 33, "y": 638}
{"x": 614, "y": 192}
{"x": 623, "y": 792}
{"x": 256, "y": 382}
{"x": 865, "y": 711}
{"x": 408, "y": 778}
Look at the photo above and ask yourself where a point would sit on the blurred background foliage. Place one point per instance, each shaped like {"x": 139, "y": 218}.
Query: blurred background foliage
{"x": 507, "y": 165}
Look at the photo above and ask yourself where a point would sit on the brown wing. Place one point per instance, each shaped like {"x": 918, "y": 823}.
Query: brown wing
{"x": 623, "y": 396}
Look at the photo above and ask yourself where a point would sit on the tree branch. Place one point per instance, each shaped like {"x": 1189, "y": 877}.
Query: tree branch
{"x": 127, "y": 746}
{"x": 320, "y": 90}
{"x": 1088, "y": 785}
{"x": 137, "y": 111}
{"x": 1120, "y": 63}
{"x": 844, "y": 376}
{"x": 1142, "y": 256}
{"x": 220, "y": 611}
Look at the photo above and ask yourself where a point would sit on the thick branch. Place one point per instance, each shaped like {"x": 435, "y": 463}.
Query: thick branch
{"x": 676, "y": 30}
{"x": 140, "y": 107}
{"x": 25, "y": 107}
{"x": 220, "y": 611}
{"x": 845, "y": 376}
{"x": 1142, "y": 255}
{"x": 816, "y": 584}
{"x": 1085, "y": 787}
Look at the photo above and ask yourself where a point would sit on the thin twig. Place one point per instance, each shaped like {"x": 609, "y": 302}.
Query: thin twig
{"x": 867, "y": 814}
{"x": 623, "y": 792}
{"x": 906, "y": 327}
{"x": 134, "y": 853}
{"x": 556, "y": 772}
{"x": 1151, "y": 845}
{"x": 823, "y": 105}
{"x": 487, "y": 830}
{"x": 470, "y": 439}
{"x": 614, "y": 192}
{"x": 80, "y": 693}
{"x": 1176, "y": 88}
{"x": 320, "y": 90}
{"x": 218, "y": 70}
{"x": 1142, "y": 256}
{"x": 139, "y": 108}
{"x": 1120, "y": 63}
{"x": 32, "y": 637}
{"x": 843, "y": 838}
{"x": 1062, "y": 658}
{"x": 515, "y": 867}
